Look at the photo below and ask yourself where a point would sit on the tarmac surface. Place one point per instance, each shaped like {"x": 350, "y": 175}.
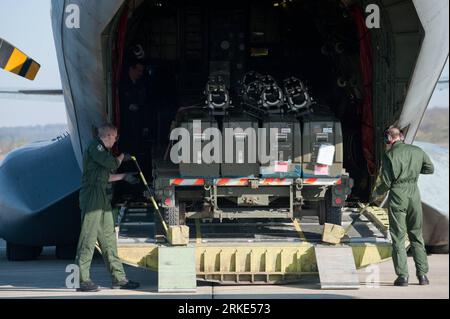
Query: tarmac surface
{"x": 46, "y": 278}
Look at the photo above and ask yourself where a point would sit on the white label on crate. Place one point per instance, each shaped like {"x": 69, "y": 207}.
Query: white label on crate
{"x": 321, "y": 170}
{"x": 281, "y": 167}
{"x": 282, "y": 137}
{"x": 326, "y": 154}
{"x": 328, "y": 130}
{"x": 286, "y": 130}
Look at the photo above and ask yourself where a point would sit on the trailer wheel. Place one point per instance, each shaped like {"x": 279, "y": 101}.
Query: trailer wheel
{"x": 182, "y": 211}
{"x": 328, "y": 213}
{"x": 172, "y": 216}
{"x": 22, "y": 253}
{"x": 322, "y": 212}
{"x": 334, "y": 215}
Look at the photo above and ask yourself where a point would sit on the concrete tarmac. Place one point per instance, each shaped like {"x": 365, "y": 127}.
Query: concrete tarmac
{"x": 46, "y": 278}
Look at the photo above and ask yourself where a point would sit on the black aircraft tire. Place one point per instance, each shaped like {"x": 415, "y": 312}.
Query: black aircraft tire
{"x": 66, "y": 252}
{"x": 437, "y": 250}
{"x": 22, "y": 253}
{"x": 38, "y": 251}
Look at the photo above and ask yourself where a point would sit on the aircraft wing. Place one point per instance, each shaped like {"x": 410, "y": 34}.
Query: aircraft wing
{"x": 53, "y": 95}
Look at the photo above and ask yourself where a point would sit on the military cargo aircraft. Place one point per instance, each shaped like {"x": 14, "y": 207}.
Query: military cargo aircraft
{"x": 371, "y": 76}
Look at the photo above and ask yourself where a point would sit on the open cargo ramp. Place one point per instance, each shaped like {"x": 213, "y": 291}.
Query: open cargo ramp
{"x": 258, "y": 252}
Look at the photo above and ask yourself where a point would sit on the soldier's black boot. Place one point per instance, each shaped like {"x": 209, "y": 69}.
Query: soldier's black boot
{"x": 401, "y": 281}
{"x": 125, "y": 284}
{"x": 88, "y": 286}
{"x": 423, "y": 280}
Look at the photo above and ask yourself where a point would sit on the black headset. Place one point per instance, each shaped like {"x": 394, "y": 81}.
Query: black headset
{"x": 387, "y": 137}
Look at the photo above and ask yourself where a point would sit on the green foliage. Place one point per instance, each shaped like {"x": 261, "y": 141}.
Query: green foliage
{"x": 15, "y": 137}
{"x": 434, "y": 127}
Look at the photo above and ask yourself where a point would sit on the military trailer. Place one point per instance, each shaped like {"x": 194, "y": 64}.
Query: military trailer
{"x": 272, "y": 161}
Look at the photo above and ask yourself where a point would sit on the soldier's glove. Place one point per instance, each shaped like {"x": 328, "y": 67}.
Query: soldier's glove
{"x": 131, "y": 179}
{"x": 127, "y": 157}
{"x": 148, "y": 194}
{"x": 376, "y": 199}
{"x": 134, "y": 107}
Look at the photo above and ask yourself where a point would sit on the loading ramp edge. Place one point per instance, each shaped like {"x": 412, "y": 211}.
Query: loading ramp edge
{"x": 244, "y": 263}
{"x": 261, "y": 262}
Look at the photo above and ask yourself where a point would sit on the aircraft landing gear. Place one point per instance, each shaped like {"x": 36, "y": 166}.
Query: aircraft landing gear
{"x": 66, "y": 252}
{"x": 22, "y": 253}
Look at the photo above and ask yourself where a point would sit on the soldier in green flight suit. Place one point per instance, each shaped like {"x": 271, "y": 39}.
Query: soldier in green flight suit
{"x": 402, "y": 164}
{"x": 95, "y": 203}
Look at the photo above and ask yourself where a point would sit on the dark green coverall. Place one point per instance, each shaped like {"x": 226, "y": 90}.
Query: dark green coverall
{"x": 401, "y": 168}
{"x": 95, "y": 203}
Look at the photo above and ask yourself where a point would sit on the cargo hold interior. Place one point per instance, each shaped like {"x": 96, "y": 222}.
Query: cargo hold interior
{"x": 324, "y": 43}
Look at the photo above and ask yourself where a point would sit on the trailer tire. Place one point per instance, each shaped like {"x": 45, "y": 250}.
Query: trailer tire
{"x": 172, "y": 216}
{"x": 333, "y": 214}
{"x": 322, "y": 212}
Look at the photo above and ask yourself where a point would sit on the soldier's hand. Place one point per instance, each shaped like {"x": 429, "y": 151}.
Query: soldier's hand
{"x": 121, "y": 157}
{"x": 127, "y": 157}
{"x": 149, "y": 193}
{"x": 376, "y": 199}
{"x": 131, "y": 179}
{"x": 134, "y": 107}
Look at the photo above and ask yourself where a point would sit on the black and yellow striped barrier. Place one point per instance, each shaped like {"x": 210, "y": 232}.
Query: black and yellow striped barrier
{"x": 15, "y": 61}
{"x": 152, "y": 199}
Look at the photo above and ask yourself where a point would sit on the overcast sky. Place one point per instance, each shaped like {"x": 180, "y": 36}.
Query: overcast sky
{"x": 27, "y": 25}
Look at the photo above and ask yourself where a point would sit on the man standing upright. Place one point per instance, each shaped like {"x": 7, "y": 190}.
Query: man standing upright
{"x": 401, "y": 167}
{"x": 133, "y": 101}
{"x": 95, "y": 203}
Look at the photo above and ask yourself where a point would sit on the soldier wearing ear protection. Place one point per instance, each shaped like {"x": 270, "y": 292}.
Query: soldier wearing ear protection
{"x": 401, "y": 167}
{"x": 389, "y": 139}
